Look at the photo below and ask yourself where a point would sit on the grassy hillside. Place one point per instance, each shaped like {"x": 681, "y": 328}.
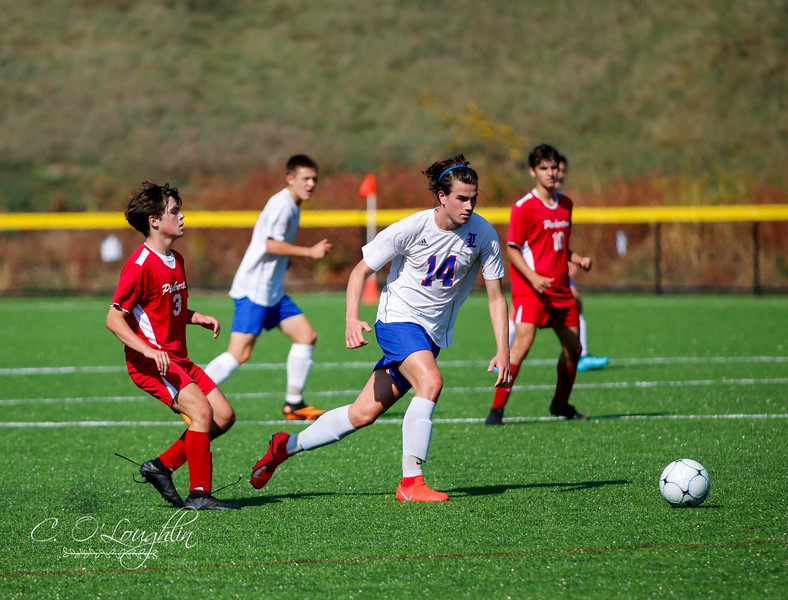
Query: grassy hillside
{"x": 96, "y": 95}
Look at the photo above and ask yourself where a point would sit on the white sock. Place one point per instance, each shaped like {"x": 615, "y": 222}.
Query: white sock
{"x": 512, "y": 328}
{"x": 330, "y": 427}
{"x": 299, "y": 361}
{"x": 416, "y": 434}
{"x": 583, "y": 336}
{"x": 221, "y": 367}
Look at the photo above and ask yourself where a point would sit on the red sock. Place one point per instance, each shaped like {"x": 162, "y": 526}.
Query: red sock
{"x": 198, "y": 455}
{"x": 502, "y": 394}
{"x": 175, "y": 455}
{"x": 565, "y": 381}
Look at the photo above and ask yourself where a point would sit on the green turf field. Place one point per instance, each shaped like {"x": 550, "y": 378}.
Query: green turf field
{"x": 540, "y": 508}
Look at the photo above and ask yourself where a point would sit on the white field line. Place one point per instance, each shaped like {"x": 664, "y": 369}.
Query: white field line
{"x": 351, "y": 393}
{"x": 366, "y": 365}
{"x": 68, "y": 370}
{"x": 277, "y": 423}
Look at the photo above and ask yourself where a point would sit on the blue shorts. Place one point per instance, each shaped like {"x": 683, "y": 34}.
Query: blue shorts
{"x": 398, "y": 341}
{"x": 253, "y": 318}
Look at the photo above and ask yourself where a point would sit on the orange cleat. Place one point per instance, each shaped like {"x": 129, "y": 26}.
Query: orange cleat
{"x": 275, "y": 456}
{"x": 419, "y": 492}
{"x": 301, "y": 412}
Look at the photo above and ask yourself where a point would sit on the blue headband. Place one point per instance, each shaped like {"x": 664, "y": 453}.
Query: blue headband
{"x": 449, "y": 169}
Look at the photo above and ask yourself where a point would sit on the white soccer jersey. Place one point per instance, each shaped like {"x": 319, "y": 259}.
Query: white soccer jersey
{"x": 432, "y": 270}
{"x": 260, "y": 275}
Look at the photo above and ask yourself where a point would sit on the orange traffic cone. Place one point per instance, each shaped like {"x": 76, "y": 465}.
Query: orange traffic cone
{"x": 370, "y": 295}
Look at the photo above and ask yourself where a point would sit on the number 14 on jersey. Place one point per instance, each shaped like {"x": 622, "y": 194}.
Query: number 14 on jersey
{"x": 445, "y": 272}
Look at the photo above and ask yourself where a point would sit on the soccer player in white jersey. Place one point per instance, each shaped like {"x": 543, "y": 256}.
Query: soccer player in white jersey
{"x": 260, "y": 299}
{"x": 435, "y": 257}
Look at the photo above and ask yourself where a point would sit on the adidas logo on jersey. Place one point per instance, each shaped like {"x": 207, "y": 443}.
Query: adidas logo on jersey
{"x": 422, "y": 242}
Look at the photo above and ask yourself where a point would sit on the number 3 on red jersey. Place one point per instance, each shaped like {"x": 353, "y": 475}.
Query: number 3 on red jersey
{"x": 177, "y": 301}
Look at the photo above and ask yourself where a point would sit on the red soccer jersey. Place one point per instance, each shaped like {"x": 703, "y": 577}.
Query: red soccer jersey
{"x": 152, "y": 292}
{"x": 541, "y": 233}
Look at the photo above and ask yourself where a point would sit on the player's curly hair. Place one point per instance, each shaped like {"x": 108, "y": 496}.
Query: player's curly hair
{"x": 149, "y": 201}
{"x": 442, "y": 174}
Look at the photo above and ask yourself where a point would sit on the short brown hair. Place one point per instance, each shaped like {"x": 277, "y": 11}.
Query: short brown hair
{"x": 299, "y": 161}
{"x": 149, "y": 201}
{"x": 541, "y": 153}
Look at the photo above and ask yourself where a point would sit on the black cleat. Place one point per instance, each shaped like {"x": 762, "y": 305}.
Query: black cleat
{"x": 566, "y": 410}
{"x": 160, "y": 477}
{"x": 495, "y": 417}
{"x": 198, "y": 501}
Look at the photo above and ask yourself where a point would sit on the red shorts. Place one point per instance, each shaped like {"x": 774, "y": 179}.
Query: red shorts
{"x": 546, "y": 312}
{"x": 166, "y": 388}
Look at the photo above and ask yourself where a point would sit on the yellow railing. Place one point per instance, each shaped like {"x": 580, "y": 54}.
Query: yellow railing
{"x": 351, "y": 218}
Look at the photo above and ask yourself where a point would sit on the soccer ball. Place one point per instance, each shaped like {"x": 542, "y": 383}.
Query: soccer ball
{"x": 684, "y": 482}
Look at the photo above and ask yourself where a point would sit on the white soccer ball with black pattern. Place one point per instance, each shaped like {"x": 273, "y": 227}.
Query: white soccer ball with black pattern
{"x": 684, "y": 482}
